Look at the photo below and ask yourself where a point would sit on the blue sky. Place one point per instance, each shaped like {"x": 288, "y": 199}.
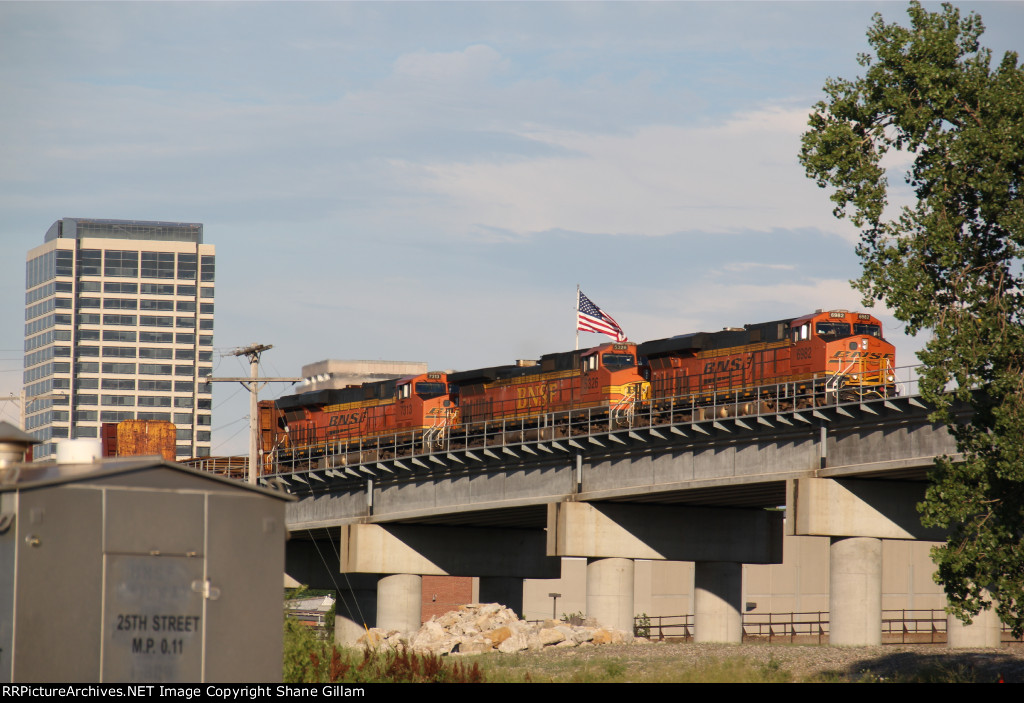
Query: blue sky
{"x": 430, "y": 181}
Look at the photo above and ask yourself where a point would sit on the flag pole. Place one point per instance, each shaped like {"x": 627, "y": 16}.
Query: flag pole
{"x": 576, "y": 322}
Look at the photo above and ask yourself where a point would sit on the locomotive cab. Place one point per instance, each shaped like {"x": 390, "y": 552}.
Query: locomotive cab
{"x": 610, "y": 375}
{"x": 859, "y": 362}
{"x": 423, "y": 402}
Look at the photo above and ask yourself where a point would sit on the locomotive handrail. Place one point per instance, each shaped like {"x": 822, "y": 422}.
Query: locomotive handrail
{"x": 763, "y": 404}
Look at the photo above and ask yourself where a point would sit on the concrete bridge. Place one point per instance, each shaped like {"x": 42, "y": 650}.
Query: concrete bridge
{"x": 704, "y": 487}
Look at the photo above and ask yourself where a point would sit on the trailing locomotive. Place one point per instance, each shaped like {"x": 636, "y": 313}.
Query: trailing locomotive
{"x": 794, "y": 363}
{"x": 606, "y": 379}
{"x": 418, "y": 404}
{"x": 786, "y": 364}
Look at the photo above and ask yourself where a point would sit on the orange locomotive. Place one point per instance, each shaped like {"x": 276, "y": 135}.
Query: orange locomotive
{"x": 791, "y": 363}
{"x": 416, "y": 403}
{"x": 606, "y": 378}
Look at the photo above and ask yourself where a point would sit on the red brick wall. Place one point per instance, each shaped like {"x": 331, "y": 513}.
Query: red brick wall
{"x": 444, "y": 593}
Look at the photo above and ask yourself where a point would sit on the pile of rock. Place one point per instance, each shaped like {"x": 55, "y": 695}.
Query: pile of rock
{"x": 486, "y": 627}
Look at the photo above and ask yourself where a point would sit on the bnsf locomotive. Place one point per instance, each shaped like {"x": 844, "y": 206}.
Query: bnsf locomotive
{"x": 787, "y": 364}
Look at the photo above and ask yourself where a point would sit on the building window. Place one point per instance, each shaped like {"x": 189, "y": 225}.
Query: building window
{"x": 189, "y": 291}
{"x": 184, "y": 387}
{"x": 183, "y": 402}
{"x": 183, "y": 370}
{"x": 186, "y": 322}
{"x": 156, "y": 305}
{"x": 206, "y": 323}
{"x": 119, "y": 368}
{"x": 155, "y": 369}
{"x": 186, "y": 338}
{"x": 156, "y": 321}
{"x": 187, "y": 266}
{"x": 122, "y": 352}
{"x": 87, "y": 367}
{"x": 208, "y": 269}
{"x": 123, "y": 264}
{"x": 119, "y": 287}
{"x": 86, "y": 383}
{"x": 158, "y": 265}
{"x": 115, "y": 400}
{"x": 166, "y": 417}
{"x": 120, "y": 304}
{"x": 88, "y": 351}
{"x": 156, "y": 337}
{"x": 155, "y": 353}
{"x": 118, "y": 336}
{"x": 157, "y": 288}
{"x": 206, "y": 292}
{"x": 85, "y": 399}
{"x": 89, "y": 262}
{"x": 127, "y": 320}
{"x": 154, "y": 385}
{"x": 118, "y": 384}
{"x": 88, "y": 302}
{"x": 182, "y": 418}
{"x": 185, "y": 354}
{"x": 88, "y": 319}
{"x": 154, "y": 401}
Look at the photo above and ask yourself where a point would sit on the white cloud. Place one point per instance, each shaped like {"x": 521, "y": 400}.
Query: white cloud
{"x": 653, "y": 180}
{"x": 471, "y": 64}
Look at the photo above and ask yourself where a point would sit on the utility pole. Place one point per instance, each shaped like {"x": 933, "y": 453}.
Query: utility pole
{"x": 253, "y": 384}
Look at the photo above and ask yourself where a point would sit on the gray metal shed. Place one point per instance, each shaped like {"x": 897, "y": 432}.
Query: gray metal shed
{"x": 138, "y": 570}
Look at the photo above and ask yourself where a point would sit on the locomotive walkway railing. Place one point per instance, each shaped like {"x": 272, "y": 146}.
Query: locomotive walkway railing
{"x": 743, "y": 408}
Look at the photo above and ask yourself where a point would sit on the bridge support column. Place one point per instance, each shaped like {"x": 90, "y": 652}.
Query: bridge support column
{"x": 355, "y": 607}
{"x": 505, "y": 590}
{"x": 399, "y": 602}
{"x": 718, "y": 600}
{"x": 610, "y": 592}
{"x": 855, "y": 591}
{"x": 985, "y": 630}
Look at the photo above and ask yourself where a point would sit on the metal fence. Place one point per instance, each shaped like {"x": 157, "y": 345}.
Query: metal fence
{"x": 898, "y": 627}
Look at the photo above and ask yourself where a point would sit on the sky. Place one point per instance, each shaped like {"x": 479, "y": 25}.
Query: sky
{"x": 430, "y": 181}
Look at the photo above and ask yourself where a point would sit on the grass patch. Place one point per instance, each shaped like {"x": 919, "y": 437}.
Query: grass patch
{"x": 624, "y": 669}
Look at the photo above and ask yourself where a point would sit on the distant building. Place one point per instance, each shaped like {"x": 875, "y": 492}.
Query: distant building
{"x": 119, "y": 326}
{"x": 332, "y": 373}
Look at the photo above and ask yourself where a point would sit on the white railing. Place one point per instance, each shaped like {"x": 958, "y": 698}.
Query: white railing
{"x": 819, "y": 392}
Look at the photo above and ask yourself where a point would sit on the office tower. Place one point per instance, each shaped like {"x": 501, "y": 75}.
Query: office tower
{"x": 118, "y": 326}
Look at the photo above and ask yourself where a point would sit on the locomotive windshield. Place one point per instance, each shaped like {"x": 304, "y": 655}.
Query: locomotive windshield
{"x": 430, "y": 390}
{"x": 870, "y": 330}
{"x": 832, "y": 330}
{"x": 618, "y": 361}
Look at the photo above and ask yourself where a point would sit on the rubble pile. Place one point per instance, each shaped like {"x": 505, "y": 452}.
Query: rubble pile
{"x": 488, "y": 627}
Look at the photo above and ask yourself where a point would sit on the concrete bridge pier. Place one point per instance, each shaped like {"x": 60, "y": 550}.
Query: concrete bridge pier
{"x": 718, "y": 601}
{"x": 610, "y": 592}
{"x": 399, "y": 602}
{"x": 985, "y": 630}
{"x": 855, "y": 591}
{"x": 857, "y": 514}
{"x": 718, "y": 540}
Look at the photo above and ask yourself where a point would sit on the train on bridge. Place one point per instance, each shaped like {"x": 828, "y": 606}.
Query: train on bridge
{"x": 823, "y": 357}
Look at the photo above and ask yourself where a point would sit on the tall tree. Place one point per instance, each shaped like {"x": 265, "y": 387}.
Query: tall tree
{"x": 951, "y": 264}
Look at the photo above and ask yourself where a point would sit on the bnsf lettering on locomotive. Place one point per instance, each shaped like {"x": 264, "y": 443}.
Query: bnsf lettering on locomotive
{"x": 344, "y": 419}
{"x": 727, "y": 365}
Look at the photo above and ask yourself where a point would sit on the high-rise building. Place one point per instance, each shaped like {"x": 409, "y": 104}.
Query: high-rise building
{"x": 118, "y": 326}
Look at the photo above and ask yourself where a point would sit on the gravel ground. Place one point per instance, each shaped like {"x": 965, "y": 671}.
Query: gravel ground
{"x": 886, "y": 662}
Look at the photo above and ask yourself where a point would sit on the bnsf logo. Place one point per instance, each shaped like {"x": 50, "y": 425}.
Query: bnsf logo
{"x": 345, "y": 419}
{"x": 728, "y": 365}
{"x": 858, "y": 355}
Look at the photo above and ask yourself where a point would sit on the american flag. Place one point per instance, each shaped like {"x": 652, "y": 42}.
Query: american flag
{"x": 591, "y": 318}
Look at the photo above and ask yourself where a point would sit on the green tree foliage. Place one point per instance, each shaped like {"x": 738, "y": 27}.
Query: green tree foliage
{"x": 951, "y": 264}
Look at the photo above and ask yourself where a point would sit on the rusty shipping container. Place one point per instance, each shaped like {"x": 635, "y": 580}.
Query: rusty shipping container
{"x": 146, "y": 437}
